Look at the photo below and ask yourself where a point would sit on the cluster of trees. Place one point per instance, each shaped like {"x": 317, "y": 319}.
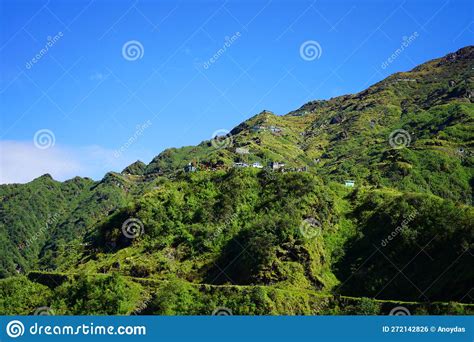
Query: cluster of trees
{"x": 248, "y": 219}
{"x": 412, "y": 246}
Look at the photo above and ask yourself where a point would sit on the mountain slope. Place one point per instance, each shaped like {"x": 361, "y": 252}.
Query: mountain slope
{"x": 348, "y": 136}
{"x": 405, "y": 141}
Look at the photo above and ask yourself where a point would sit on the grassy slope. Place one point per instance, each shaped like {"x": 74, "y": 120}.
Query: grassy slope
{"x": 248, "y": 221}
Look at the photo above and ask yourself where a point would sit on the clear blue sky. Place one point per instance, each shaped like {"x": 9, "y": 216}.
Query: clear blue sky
{"x": 92, "y": 98}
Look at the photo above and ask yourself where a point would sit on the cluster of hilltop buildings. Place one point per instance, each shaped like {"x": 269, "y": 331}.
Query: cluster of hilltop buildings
{"x": 272, "y": 129}
{"x": 275, "y": 166}
{"x": 256, "y": 165}
{"x": 271, "y": 165}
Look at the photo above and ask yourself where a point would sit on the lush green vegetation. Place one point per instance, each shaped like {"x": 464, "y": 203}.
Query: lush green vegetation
{"x": 118, "y": 295}
{"x": 428, "y": 257}
{"x": 258, "y": 241}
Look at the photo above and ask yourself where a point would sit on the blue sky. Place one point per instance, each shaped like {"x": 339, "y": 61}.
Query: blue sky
{"x": 102, "y": 107}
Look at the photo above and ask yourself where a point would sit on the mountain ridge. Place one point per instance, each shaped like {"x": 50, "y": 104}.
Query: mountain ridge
{"x": 463, "y": 53}
{"x": 405, "y": 143}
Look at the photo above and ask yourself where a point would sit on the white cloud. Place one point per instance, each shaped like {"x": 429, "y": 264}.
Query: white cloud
{"x": 21, "y": 162}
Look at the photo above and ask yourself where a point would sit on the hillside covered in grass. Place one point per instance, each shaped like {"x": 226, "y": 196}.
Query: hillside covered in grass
{"x": 160, "y": 238}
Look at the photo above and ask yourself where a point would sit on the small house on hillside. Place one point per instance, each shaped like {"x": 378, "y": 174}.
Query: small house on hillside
{"x": 276, "y": 165}
{"x": 258, "y": 128}
{"x": 189, "y": 168}
{"x": 242, "y": 150}
{"x": 349, "y": 183}
{"x": 275, "y": 129}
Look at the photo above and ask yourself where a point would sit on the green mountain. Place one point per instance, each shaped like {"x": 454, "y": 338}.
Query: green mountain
{"x": 199, "y": 228}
